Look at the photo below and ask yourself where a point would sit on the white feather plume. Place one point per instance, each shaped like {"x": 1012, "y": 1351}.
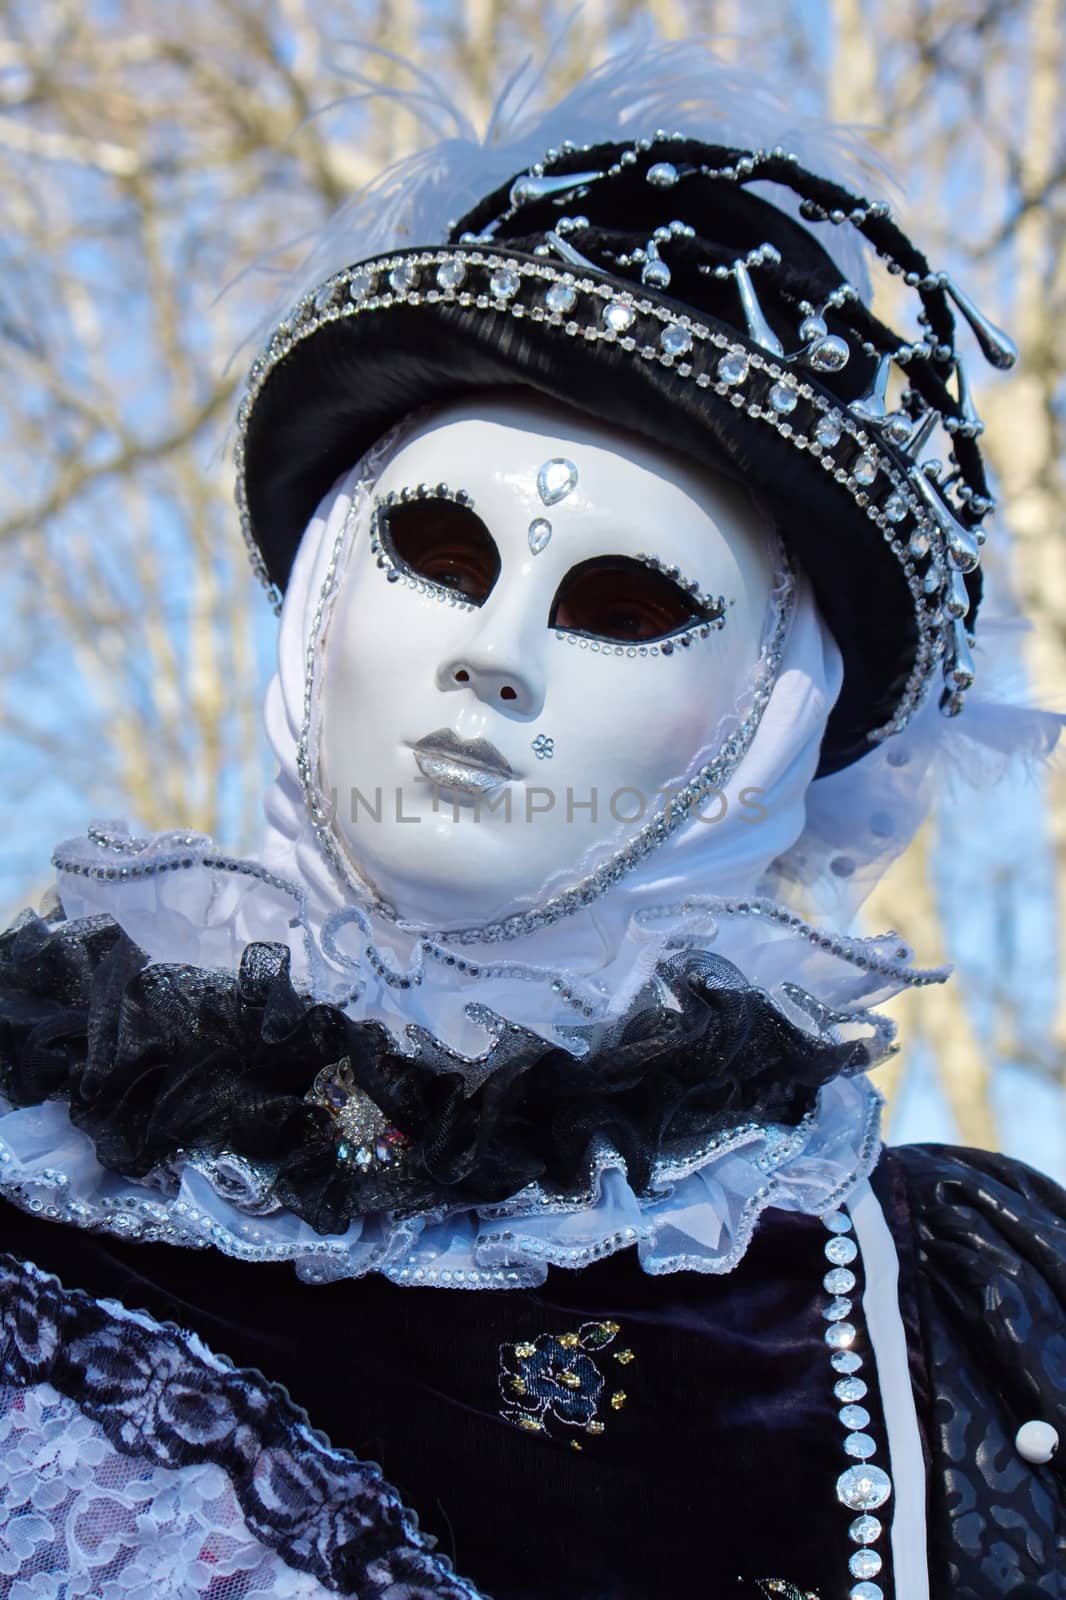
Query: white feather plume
{"x": 650, "y": 84}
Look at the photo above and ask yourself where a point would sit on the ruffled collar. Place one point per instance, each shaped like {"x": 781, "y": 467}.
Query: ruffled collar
{"x": 172, "y": 1102}
{"x": 702, "y": 1221}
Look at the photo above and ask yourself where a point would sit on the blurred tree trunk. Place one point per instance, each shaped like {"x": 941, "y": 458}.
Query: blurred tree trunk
{"x": 905, "y": 898}
{"x": 1025, "y": 416}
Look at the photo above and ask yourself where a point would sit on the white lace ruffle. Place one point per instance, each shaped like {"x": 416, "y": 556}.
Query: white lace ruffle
{"x": 700, "y": 1218}
{"x": 80, "y": 1519}
{"x": 180, "y": 899}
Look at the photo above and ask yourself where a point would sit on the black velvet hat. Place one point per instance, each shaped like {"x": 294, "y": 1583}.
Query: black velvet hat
{"x": 647, "y": 284}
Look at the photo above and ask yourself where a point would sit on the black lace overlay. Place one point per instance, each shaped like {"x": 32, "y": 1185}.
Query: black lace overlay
{"x": 159, "y": 1059}
{"x": 988, "y": 1238}
{"x": 158, "y": 1397}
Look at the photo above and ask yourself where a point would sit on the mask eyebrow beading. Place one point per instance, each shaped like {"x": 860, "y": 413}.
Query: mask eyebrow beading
{"x": 712, "y": 610}
{"x": 712, "y": 606}
{"x": 397, "y": 570}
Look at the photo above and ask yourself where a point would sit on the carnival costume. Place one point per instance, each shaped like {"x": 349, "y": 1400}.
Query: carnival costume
{"x": 363, "y": 1243}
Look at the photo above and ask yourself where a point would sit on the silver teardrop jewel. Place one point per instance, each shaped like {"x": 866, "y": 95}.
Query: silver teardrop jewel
{"x": 540, "y": 531}
{"x": 655, "y": 272}
{"x": 961, "y": 541}
{"x": 565, "y": 249}
{"x": 873, "y": 405}
{"x": 759, "y": 330}
{"x": 528, "y": 188}
{"x": 555, "y": 480}
{"x": 957, "y": 599}
{"x": 829, "y": 354}
{"x": 971, "y": 422}
{"x": 997, "y": 347}
{"x": 959, "y": 668}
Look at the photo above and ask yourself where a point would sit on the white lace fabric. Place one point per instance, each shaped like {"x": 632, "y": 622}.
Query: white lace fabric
{"x": 79, "y": 1518}
{"x": 135, "y": 1462}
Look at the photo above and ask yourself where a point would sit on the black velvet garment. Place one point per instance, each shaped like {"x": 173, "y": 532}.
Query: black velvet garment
{"x": 719, "y": 1466}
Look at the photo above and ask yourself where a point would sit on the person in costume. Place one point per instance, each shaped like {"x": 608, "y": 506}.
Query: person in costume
{"x": 626, "y": 621}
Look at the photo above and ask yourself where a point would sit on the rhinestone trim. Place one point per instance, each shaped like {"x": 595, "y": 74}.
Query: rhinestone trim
{"x": 180, "y": 860}
{"x": 863, "y": 1486}
{"x": 602, "y": 313}
{"x": 858, "y": 952}
{"x": 712, "y": 607}
{"x": 396, "y": 570}
{"x": 157, "y": 1216}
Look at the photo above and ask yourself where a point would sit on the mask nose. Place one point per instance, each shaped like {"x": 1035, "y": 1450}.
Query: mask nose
{"x": 498, "y": 678}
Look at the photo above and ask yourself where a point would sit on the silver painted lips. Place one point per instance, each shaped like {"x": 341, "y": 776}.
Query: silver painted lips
{"x": 471, "y": 766}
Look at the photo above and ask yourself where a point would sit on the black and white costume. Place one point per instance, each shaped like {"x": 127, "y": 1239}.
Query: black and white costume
{"x": 350, "y": 1250}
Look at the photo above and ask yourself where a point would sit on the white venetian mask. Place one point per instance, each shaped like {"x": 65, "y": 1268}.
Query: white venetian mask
{"x": 542, "y": 634}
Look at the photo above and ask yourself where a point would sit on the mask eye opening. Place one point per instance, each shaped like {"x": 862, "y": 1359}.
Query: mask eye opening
{"x": 437, "y": 536}
{"x": 630, "y": 601}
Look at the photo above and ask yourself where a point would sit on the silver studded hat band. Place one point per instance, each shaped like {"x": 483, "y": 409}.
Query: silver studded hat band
{"x": 648, "y": 284}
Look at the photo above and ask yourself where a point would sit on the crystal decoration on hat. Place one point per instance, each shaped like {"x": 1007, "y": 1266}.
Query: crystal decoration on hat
{"x": 950, "y": 507}
{"x": 798, "y": 335}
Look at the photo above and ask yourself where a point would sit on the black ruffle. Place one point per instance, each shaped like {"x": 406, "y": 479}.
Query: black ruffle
{"x": 159, "y": 1060}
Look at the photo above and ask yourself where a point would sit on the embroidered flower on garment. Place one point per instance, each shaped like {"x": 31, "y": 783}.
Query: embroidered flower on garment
{"x": 554, "y": 1378}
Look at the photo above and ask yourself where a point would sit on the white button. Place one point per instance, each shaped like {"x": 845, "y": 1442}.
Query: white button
{"x": 1036, "y": 1442}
